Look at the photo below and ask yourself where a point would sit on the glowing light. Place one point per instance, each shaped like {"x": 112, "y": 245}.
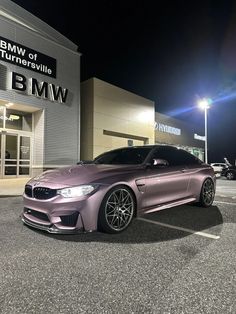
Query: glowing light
{"x": 205, "y": 103}
{"x": 9, "y": 104}
{"x": 179, "y": 111}
{"x": 14, "y": 117}
{"x": 145, "y": 116}
{"x": 225, "y": 97}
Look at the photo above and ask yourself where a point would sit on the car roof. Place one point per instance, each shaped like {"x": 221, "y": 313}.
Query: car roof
{"x": 148, "y": 145}
{"x": 142, "y": 146}
{"x": 151, "y": 146}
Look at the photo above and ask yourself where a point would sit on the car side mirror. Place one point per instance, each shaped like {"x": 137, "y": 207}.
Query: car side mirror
{"x": 83, "y": 162}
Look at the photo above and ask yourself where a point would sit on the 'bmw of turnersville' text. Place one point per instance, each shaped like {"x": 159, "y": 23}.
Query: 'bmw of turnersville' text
{"x": 107, "y": 193}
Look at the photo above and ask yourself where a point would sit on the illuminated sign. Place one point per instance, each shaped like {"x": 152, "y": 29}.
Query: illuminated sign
{"x": 31, "y": 86}
{"x": 12, "y": 117}
{"x": 199, "y": 137}
{"x": 167, "y": 129}
{"x": 27, "y": 58}
{"x": 38, "y": 89}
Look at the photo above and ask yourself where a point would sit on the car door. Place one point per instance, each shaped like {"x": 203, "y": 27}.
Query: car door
{"x": 167, "y": 184}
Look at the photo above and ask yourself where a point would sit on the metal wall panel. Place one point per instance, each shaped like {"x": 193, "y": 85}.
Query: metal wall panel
{"x": 38, "y": 143}
{"x": 61, "y": 121}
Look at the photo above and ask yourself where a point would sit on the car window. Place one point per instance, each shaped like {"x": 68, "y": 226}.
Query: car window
{"x": 134, "y": 155}
{"x": 175, "y": 157}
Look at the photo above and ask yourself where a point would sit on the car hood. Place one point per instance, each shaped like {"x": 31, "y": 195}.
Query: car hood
{"x": 81, "y": 174}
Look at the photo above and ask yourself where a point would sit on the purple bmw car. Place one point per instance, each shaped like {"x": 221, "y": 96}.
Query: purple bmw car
{"x": 108, "y": 192}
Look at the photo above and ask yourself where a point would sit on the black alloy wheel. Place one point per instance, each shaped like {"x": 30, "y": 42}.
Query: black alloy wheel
{"x": 117, "y": 210}
{"x": 207, "y": 193}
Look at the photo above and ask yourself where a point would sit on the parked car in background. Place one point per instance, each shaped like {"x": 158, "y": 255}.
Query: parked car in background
{"x": 229, "y": 172}
{"x": 218, "y": 166}
{"x": 108, "y": 192}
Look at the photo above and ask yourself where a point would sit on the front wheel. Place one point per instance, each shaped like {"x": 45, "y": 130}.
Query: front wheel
{"x": 117, "y": 210}
{"x": 207, "y": 193}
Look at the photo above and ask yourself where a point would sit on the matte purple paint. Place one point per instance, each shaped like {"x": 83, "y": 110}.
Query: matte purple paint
{"x": 154, "y": 188}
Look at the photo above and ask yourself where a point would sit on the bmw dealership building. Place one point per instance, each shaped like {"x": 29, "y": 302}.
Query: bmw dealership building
{"x": 43, "y": 125}
{"x": 39, "y": 95}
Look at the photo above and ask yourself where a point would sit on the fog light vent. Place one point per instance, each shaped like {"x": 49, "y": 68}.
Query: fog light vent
{"x": 70, "y": 220}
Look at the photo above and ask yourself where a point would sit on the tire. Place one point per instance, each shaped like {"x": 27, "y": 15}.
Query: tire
{"x": 207, "y": 193}
{"x": 230, "y": 175}
{"x": 117, "y": 210}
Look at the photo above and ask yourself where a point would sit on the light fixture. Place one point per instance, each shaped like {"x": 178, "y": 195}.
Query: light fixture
{"x": 14, "y": 117}
{"x": 205, "y": 104}
{"x": 9, "y": 104}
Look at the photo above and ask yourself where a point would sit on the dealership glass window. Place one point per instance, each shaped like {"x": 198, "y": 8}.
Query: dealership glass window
{"x": 18, "y": 120}
{"x": 11, "y": 155}
{"x": 25, "y": 148}
{"x": 24, "y": 155}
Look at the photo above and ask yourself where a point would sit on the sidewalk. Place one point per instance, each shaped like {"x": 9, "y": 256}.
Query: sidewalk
{"x": 12, "y": 187}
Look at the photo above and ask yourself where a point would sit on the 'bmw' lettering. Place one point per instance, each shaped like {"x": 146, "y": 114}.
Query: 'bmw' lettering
{"x": 39, "y": 89}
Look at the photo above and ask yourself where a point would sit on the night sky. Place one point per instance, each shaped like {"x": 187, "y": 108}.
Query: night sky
{"x": 172, "y": 53}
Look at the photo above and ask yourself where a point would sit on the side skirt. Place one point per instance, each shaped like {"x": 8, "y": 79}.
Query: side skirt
{"x": 168, "y": 205}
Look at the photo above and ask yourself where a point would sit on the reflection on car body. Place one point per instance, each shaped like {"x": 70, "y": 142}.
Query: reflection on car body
{"x": 108, "y": 192}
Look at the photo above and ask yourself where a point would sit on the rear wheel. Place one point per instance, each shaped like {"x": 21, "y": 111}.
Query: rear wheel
{"x": 117, "y": 210}
{"x": 230, "y": 175}
{"x": 207, "y": 193}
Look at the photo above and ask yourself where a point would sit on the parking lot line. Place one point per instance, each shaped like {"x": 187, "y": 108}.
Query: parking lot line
{"x": 227, "y": 203}
{"x": 202, "y": 234}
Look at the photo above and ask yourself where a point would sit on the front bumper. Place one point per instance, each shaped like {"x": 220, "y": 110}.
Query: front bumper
{"x": 56, "y": 214}
{"x": 50, "y": 228}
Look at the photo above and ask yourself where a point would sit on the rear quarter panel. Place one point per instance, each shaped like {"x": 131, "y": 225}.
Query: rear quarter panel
{"x": 198, "y": 176}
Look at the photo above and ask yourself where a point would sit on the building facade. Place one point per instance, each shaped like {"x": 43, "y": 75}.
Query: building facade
{"x": 112, "y": 117}
{"x": 39, "y": 95}
{"x": 171, "y": 131}
{"x": 41, "y": 124}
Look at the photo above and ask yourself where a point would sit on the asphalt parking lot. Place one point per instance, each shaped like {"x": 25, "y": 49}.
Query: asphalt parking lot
{"x": 179, "y": 260}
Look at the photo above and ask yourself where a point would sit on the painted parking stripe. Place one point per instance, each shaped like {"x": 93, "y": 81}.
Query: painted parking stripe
{"x": 203, "y": 234}
{"x": 226, "y": 203}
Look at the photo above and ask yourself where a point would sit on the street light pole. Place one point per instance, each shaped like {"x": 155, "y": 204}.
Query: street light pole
{"x": 206, "y": 155}
{"x": 205, "y": 104}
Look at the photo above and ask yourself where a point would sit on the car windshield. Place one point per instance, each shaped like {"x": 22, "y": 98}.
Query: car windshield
{"x": 124, "y": 156}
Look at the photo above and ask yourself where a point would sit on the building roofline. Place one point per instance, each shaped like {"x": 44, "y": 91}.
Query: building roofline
{"x": 94, "y": 78}
{"x": 15, "y": 13}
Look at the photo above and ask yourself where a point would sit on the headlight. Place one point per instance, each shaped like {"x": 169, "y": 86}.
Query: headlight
{"x": 76, "y": 191}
